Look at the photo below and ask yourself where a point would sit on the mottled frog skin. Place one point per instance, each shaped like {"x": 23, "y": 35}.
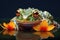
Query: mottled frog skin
{"x": 30, "y": 15}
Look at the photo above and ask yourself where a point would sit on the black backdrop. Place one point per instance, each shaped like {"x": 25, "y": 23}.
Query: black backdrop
{"x": 8, "y": 7}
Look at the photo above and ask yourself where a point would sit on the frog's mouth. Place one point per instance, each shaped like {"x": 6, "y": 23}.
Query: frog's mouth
{"x": 28, "y": 22}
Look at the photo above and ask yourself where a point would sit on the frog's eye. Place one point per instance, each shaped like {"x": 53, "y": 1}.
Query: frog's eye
{"x": 17, "y": 13}
{"x": 36, "y": 13}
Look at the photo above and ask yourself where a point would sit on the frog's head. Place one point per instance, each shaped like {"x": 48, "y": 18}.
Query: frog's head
{"x": 32, "y": 14}
{"x": 28, "y": 13}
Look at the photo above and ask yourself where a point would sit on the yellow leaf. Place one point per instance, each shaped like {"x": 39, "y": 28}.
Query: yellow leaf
{"x": 51, "y": 27}
{"x": 10, "y": 26}
{"x": 43, "y": 26}
{"x": 44, "y": 23}
{"x": 5, "y": 25}
{"x": 11, "y": 23}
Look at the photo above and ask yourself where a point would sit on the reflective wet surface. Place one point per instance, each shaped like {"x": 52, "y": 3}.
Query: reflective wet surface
{"x": 30, "y": 35}
{"x": 20, "y": 35}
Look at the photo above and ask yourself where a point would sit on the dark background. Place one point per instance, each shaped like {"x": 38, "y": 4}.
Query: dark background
{"x": 9, "y": 7}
